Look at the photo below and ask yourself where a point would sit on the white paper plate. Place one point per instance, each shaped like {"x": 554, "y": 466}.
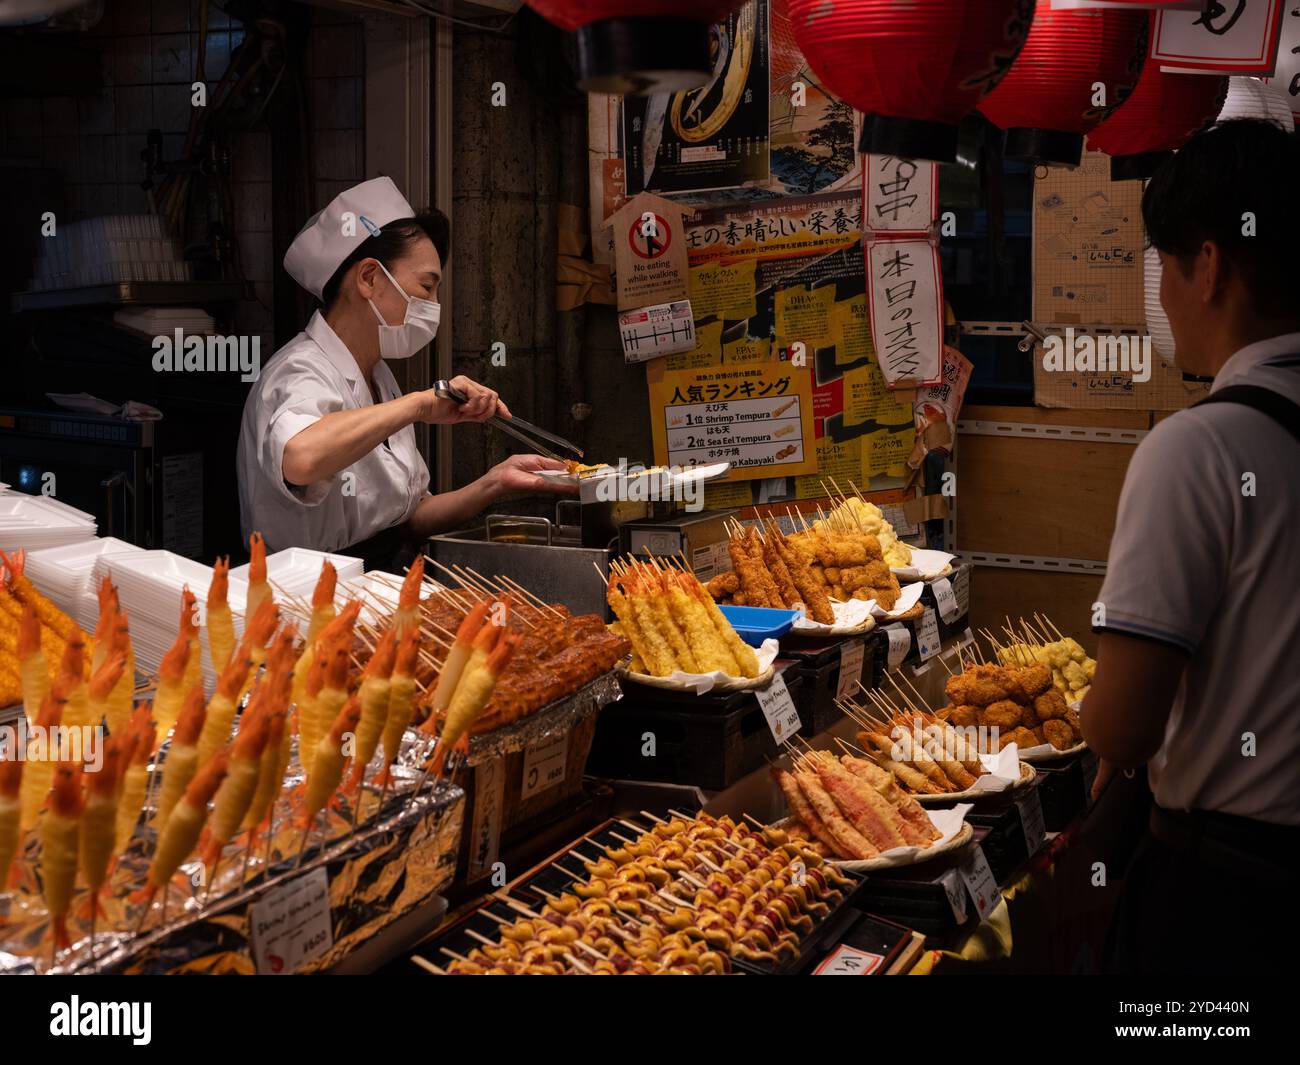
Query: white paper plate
{"x": 1045, "y": 752}
{"x": 926, "y": 565}
{"x": 675, "y": 476}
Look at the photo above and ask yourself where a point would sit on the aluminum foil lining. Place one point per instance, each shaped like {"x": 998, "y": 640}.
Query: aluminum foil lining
{"x": 547, "y": 723}
{"x": 393, "y": 862}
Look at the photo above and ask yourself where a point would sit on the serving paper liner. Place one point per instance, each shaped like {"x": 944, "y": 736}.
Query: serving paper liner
{"x": 699, "y": 683}
{"x": 851, "y": 619}
{"x": 926, "y": 565}
{"x": 909, "y": 597}
{"x": 955, "y": 833}
{"x": 987, "y": 784}
{"x": 391, "y": 864}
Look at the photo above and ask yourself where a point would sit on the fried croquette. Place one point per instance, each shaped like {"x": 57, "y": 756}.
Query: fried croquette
{"x": 1059, "y": 734}
{"x": 1004, "y": 714}
{"x": 1051, "y": 704}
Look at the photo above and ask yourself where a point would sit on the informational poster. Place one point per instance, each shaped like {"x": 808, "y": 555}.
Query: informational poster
{"x": 1286, "y": 76}
{"x": 757, "y": 417}
{"x": 1227, "y": 37}
{"x": 713, "y": 137}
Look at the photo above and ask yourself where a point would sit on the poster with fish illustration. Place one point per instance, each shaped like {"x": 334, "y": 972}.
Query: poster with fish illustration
{"x": 713, "y": 137}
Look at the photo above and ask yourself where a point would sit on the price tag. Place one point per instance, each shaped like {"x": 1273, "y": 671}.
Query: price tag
{"x": 1031, "y": 820}
{"x": 779, "y": 709}
{"x": 544, "y": 766}
{"x": 851, "y": 656}
{"x": 956, "y": 892}
{"x": 485, "y": 829}
{"x": 849, "y": 961}
{"x": 978, "y": 878}
{"x": 961, "y": 587}
{"x": 900, "y": 642}
{"x": 1088, "y": 764}
{"x": 927, "y": 635}
{"x": 290, "y": 925}
{"x": 947, "y": 599}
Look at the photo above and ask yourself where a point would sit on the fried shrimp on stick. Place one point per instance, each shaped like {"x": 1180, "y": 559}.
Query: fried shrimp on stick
{"x": 60, "y": 847}
{"x": 712, "y": 651}
{"x": 183, "y": 828}
{"x": 221, "y": 622}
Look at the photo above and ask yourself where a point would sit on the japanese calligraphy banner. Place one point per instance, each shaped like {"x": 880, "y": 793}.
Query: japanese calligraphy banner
{"x": 906, "y": 291}
{"x": 757, "y": 417}
{"x": 1232, "y": 37}
{"x": 901, "y": 195}
{"x": 1287, "y": 75}
{"x": 767, "y": 230}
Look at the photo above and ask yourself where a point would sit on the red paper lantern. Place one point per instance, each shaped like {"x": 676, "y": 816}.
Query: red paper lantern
{"x": 1159, "y": 115}
{"x": 1075, "y": 68}
{"x": 914, "y": 69}
{"x": 639, "y": 46}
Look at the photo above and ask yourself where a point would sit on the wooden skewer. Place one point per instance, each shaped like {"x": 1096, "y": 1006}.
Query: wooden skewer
{"x": 600, "y": 572}
{"x": 428, "y": 966}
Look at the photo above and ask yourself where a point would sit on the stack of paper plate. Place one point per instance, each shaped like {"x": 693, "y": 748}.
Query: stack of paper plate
{"x": 149, "y": 584}
{"x": 64, "y": 575}
{"x": 38, "y": 522}
{"x": 295, "y": 571}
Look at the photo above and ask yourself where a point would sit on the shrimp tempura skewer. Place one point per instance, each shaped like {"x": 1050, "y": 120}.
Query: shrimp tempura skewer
{"x": 376, "y": 686}
{"x": 39, "y": 775}
{"x": 225, "y": 700}
{"x": 257, "y": 635}
{"x": 171, "y": 685}
{"x": 221, "y": 623}
{"x": 182, "y": 756}
{"x": 183, "y": 827}
{"x": 31, "y": 662}
{"x": 236, "y": 792}
{"x": 99, "y": 821}
{"x": 73, "y": 671}
{"x": 11, "y": 775}
{"x": 314, "y": 719}
{"x": 135, "y": 777}
{"x": 259, "y": 591}
{"x": 322, "y": 601}
{"x": 60, "y": 836}
{"x": 122, "y": 698}
{"x": 408, "y": 600}
{"x": 327, "y": 764}
{"x": 102, "y": 684}
{"x": 472, "y": 694}
{"x": 62, "y": 626}
{"x": 275, "y": 756}
{"x": 454, "y": 666}
{"x": 401, "y": 700}
{"x": 188, "y": 629}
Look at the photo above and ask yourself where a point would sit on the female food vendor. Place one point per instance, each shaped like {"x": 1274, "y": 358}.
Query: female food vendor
{"x": 327, "y": 456}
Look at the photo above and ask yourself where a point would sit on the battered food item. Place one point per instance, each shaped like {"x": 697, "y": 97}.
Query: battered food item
{"x": 855, "y": 514}
{"x": 1068, "y": 666}
{"x": 768, "y": 571}
{"x": 1019, "y": 701}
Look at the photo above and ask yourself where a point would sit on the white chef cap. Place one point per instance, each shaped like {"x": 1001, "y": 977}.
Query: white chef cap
{"x": 331, "y": 235}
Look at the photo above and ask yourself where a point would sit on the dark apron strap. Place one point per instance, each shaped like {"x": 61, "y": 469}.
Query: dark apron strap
{"x": 1264, "y": 400}
{"x": 391, "y": 550}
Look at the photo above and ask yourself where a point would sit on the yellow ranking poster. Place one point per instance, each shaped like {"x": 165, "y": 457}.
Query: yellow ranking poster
{"x": 758, "y": 417}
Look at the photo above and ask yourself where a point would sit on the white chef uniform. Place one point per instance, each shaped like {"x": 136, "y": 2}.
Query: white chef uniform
{"x": 313, "y": 375}
{"x": 308, "y": 378}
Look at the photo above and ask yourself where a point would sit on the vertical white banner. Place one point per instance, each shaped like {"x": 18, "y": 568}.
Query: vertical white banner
{"x": 906, "y": 293}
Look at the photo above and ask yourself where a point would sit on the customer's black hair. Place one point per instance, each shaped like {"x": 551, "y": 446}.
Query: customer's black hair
{"x": 392, "y": 243}
{"x": 1204, "y": 193}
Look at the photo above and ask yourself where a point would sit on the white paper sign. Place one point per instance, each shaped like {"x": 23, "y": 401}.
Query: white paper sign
{"x": 944, "y": 595}
{"x": 849, "y": 961}
{"x": 290, "y": 924}
{"x": 927, "y": 635}
{"x": 978, "y": 878}
{"x": 1286, "y": 76}
{"x": 900, "y": 193}
{"x": 956, "y": 892}
{"x": 961, "y": 586}
{"x": 851, "y": 655}
{"x": 1233, "y": 37}
{"x": 663, "y": 329}
{"x": 900, "y": 641}
{"x": 906, "y": 311}
{"x": 485, "y": 828}
{"x": 1031, "y": 820}
{"x": 544, "y": 766}
{"x": 779, "y": 709}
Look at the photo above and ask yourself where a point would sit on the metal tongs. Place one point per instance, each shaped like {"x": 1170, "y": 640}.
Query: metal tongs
{"x": 516, "y": 427}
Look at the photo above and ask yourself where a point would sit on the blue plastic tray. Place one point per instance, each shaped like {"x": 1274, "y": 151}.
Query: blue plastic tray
{"x": 754, "y": 624}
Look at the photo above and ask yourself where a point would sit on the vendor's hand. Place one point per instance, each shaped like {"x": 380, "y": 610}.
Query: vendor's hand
{"x": 481, "y": 404}
{"x": 518, "y": 473}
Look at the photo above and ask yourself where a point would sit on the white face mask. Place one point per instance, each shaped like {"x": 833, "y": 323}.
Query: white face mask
{"x": 418, "y": 328}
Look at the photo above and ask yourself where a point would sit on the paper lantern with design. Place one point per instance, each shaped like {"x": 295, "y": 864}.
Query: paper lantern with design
{"x": 1251, "y": 98}
{"x": 641, "y": 46}
{"x": 913, "y": 69}
{"x": 1160, "y": 114}
{"x": 1076, "y": 67}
